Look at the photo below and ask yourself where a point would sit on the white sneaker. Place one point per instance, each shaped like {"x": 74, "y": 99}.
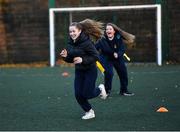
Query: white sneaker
{"x": 103, "y": 94}
{"x": 89, "y": 115}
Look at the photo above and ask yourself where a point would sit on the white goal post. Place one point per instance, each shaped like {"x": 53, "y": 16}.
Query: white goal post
{"x": 52, "y": 12}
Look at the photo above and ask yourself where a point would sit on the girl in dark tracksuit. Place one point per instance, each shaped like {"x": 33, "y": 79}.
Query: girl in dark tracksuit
{"x": 111, "y": 49}
{"x": 82, "y": 52}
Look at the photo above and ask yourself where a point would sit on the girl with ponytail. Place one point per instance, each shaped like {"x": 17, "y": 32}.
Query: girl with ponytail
{"x": 82, "y": 52}
{"x": 111, "y": 49}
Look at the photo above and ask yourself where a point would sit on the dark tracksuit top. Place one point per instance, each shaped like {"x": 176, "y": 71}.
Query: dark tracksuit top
{"x": 106, "y": 49}
{"x": 86, "y": 72}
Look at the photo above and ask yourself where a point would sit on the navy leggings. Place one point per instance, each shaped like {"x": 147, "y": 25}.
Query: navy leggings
{"x": 120, "y": 67}
{"x": 84, "y": 85}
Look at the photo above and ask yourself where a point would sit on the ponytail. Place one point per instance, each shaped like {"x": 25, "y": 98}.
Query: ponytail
{"x": 92, "y": 28}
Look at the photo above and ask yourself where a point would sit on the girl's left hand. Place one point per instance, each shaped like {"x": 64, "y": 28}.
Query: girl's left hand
{"x": 115, "y": 55}
{"x": 77, "y": 60}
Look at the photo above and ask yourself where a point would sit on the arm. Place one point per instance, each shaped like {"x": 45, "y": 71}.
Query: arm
{"x": 68, "y": 59}
{"x": 66, "y": 56}
{"x": 103, "y": 47}
{"x": 91, "y": 56}
{"x": 121, "y": 48}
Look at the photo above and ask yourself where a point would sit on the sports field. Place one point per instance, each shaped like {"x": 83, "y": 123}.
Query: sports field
{"x": 42, "y": 99}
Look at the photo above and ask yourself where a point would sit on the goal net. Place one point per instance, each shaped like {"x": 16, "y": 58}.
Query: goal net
{"x": 144, "y": 21}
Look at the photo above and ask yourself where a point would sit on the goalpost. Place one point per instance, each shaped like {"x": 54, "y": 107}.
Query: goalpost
{"x": 52, "y": 12}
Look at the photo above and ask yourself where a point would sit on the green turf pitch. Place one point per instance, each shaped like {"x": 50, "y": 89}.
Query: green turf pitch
{"x": 42, "y": 99}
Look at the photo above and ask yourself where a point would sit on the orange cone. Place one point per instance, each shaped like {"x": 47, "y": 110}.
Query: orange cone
{"x": 65, "y": 74}
{"x": 162, "y": 109}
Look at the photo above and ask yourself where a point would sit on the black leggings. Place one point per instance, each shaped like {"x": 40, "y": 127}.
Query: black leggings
{"x": 121, "y": 70}
{"x": 85, "y": 88}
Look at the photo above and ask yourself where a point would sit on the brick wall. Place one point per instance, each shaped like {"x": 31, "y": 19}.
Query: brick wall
{"x": 174, "y": 47}
{"x": 145, "y": 49}
{"x": 3, "y": 47}
{"x": 24, "y": 29}
{"x": 24, "y": 34}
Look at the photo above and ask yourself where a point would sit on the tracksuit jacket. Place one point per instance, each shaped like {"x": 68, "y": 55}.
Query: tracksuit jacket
{"x": 86, "y": 72}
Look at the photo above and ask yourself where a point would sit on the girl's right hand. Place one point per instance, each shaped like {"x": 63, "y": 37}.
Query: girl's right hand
{"x": 63, "y": 53}
{"x": 115, "y": 55}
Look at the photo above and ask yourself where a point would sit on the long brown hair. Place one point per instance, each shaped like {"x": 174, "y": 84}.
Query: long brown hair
{"x": 128, "y": 38}
{"x": 90, "y": 27}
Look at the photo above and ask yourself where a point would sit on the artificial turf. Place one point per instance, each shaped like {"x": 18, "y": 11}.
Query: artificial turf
{"x": 41, "y": 99}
